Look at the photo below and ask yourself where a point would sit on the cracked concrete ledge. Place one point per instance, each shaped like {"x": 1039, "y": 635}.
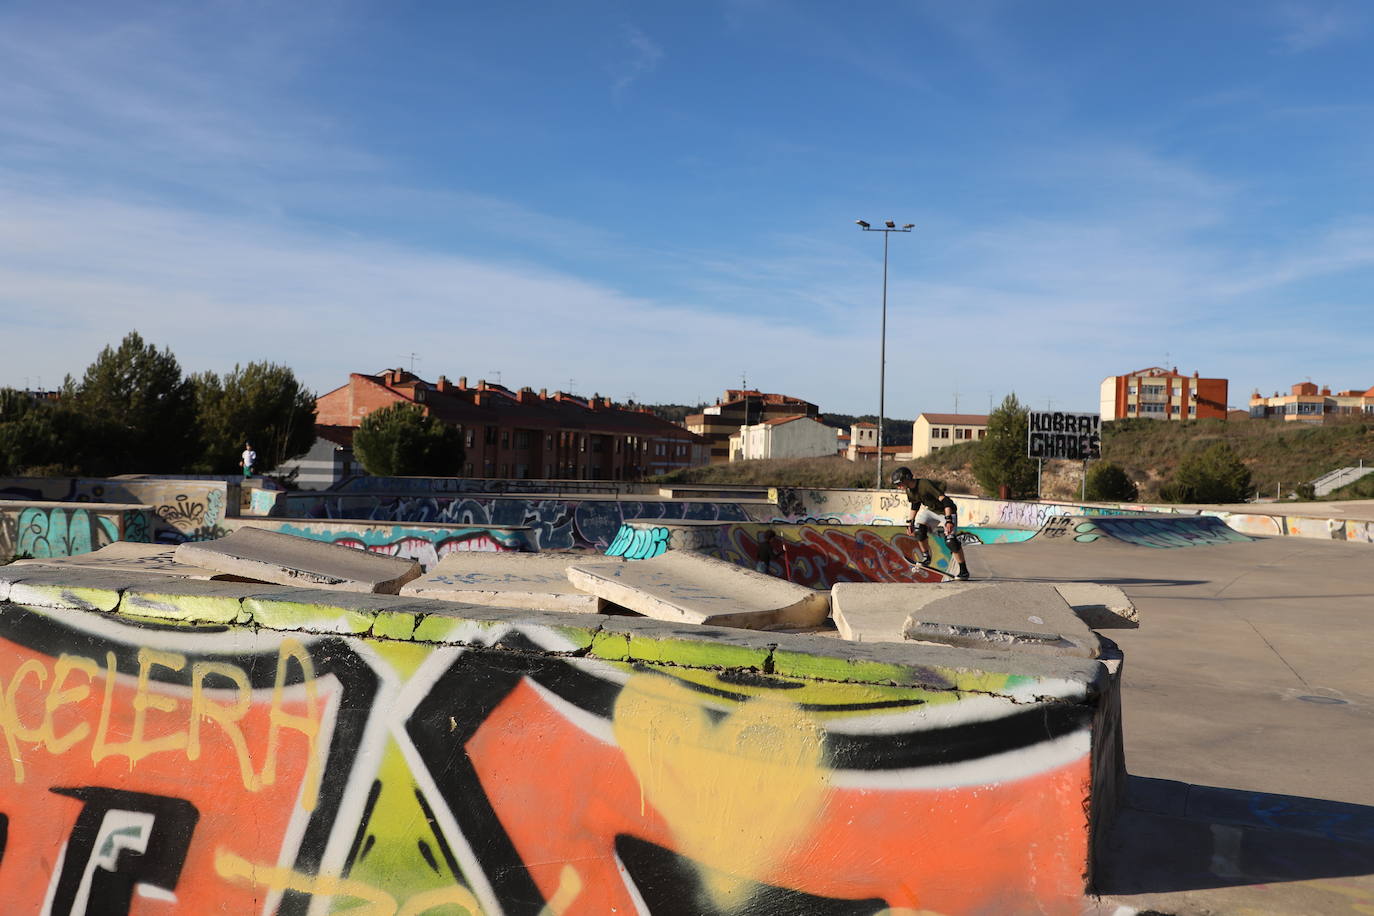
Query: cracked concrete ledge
{"x": 193, "y": 603}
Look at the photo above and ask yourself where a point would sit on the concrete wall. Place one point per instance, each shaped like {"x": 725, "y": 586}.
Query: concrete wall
{"x": 279, "y": 746}
{"x": 489, "y": 485}
{"x": 44, "y": 529}
{"x": 181, "y": 510}
{"x": 425, "y": 543}
{"x": 588, "y": 523}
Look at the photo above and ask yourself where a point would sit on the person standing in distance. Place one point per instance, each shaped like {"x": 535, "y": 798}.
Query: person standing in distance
{"x": 249, "y": 457}
{"x": 927, "y": 497}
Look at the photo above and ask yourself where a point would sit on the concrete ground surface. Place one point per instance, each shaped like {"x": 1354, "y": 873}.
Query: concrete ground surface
{"x": 1249, "y": 722}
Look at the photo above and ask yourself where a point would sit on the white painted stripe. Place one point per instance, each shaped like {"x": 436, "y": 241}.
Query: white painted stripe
{"x": 1008, "y": 766}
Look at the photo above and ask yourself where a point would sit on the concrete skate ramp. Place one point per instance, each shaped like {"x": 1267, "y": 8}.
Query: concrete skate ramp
{"x": 1157, "y": 531}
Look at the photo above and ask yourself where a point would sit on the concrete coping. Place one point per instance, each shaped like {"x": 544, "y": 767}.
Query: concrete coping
{"x": 626, "y": 639}
{"x": 55, "y": 504}
{"x": 269, "y": 521}
{"x": 545, "y": 494}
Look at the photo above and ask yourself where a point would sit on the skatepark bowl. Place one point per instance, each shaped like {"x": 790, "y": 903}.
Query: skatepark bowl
{"x": 246, "y": 719}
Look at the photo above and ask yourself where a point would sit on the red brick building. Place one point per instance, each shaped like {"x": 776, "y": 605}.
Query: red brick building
{"x": 1163, "y": 394}
{"x": 524, "y": 434}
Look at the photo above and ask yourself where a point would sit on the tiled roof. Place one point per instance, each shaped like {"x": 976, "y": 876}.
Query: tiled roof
{"x": 956, "y": 419}
{"x": 495, "y": 405}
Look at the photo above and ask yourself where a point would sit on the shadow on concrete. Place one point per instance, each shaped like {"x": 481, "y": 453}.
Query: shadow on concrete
{"x": 1118, "y": 581}
{"x": 1172, "y": 836}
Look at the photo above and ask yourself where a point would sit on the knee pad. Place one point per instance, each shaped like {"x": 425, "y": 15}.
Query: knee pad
{"x": 922, "y": 531}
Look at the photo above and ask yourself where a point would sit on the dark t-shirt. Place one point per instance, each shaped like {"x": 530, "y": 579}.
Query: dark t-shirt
{"x": 928, "y": 493}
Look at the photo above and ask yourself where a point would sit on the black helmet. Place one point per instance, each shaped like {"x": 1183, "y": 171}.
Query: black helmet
{"x": 901, "y": 476}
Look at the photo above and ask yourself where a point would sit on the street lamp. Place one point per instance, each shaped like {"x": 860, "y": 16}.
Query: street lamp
{"x": 888, "y": 228}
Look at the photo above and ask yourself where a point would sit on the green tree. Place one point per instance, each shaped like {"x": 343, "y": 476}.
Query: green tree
{"x": 38, "y": 438}
{"x": 261, "y": 403}
{"x": 1001, "y": 458}
{"x": 1107, "y": 482}
{"x": 142, "y": 406}
{"x": 1215, "y": 475}
{"x": 401, "y": 441}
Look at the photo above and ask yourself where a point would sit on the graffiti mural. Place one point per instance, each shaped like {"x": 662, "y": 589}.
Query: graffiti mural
{"x": 560, "y": 524}
{"x": 1180, "y": 531}
{"x": 41, "y": 531}
{"x": 639, "y": 543}
{"x": 183, "y": 510}
{"x": 426, "y": 544}
{"x": 491, "y": 767}
{"x": 817, "y": 556}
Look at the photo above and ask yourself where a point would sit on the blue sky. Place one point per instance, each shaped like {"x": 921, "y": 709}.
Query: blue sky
{"x": 652, "y": 200}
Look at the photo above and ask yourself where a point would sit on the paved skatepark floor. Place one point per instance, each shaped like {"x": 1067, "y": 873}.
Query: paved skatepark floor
{"x": 1248, "y": 698}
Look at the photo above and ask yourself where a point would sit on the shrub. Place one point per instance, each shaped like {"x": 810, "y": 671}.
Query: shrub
{"x": 1215, "y": 475}
{"x": 1107, "y": 482}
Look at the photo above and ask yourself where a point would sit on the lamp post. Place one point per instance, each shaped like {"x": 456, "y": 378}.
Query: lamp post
{"x": 886, "y": 229}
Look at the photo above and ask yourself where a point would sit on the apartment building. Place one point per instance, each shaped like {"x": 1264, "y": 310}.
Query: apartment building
{"x": 525, "y": 434}
{"x": 937, "y": 430}
{"x": 1309, "y": 404}
{"x": 1162, "y": 394}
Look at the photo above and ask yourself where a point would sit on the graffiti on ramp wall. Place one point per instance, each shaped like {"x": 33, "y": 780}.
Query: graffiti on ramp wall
{"x": 249, "y": 771}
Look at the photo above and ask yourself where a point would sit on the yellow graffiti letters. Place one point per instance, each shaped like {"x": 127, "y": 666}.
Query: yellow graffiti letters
{"x": 139, "y": 745}
{"x": 375, "y": 902}
{"x": 225, "y": 716}
{"x": 59, "y": 697}
{"x": 15, "y": 731}
{"x": 49, "y": 704}
{"x": 308, "y": 725}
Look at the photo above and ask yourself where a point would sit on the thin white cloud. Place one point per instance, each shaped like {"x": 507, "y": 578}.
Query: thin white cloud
{"x": 643, "y": 56}
{"x": 1308, "y": 26}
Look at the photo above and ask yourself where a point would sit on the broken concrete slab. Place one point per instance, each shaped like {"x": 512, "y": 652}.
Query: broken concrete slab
{"x": 127, "y": 556}
{"x": 1102, "y": 607}
{"x": 530, "y": 581}
{"x": 1006, "y": 616}
{"x": 269, "y": 556}
{"x": 692, "y": 587}
{"x": 1009, "y": 617}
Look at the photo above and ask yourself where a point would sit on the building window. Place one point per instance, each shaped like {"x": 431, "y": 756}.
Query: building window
{"x": 490, "y": 436}
{"x": 468, "y": 438}
{"x": 467, "y": 469}
{"x": 522, "y": 438}
{"x": 505, "y": 438}
{"x": 1130, "y": 389}
{"x": 548, "y": 441}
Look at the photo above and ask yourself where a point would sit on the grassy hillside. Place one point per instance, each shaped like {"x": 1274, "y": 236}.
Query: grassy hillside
{"x": 1277, "y": 453}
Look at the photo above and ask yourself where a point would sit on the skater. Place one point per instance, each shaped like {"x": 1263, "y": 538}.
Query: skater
{"x": 926, "y": 498}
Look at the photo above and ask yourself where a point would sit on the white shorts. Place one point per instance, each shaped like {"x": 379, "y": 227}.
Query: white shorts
{"x": 936, "y": 523}
{"x": 932, "y": 521}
